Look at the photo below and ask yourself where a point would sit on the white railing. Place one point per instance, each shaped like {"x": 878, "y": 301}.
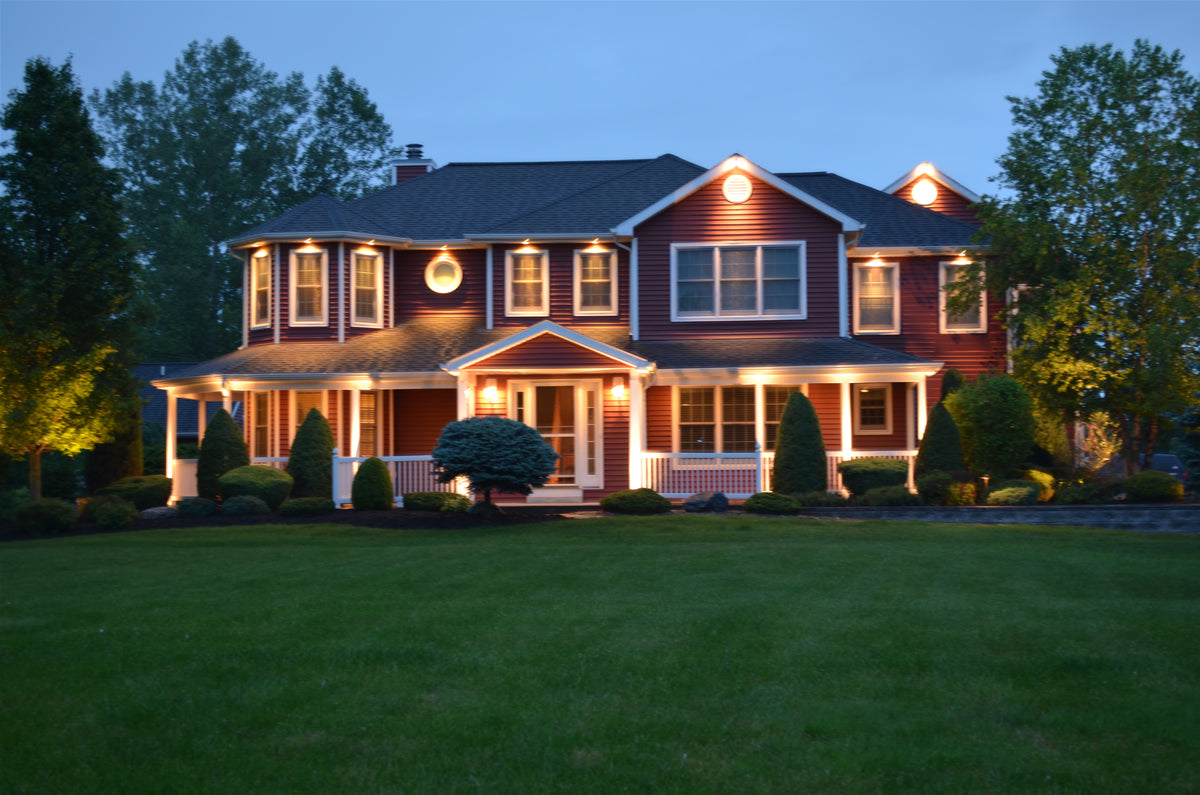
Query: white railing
{"x": 409, "y": 473}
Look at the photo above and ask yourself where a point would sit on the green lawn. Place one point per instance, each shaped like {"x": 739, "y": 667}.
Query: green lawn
{"x": 677, "y": 654}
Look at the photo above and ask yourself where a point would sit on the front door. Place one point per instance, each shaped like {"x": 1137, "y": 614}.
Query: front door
{"x": 567, "y": 415}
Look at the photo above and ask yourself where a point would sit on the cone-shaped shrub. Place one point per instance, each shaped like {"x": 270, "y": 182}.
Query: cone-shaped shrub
{"x": 372, "y": 487}
{"x": 941, "y": 446}
{"x": 952, "y": 381}
{"x": 799, "y": 450}
{"x": 311, "y": 461}
{"x": 221, "y": 450}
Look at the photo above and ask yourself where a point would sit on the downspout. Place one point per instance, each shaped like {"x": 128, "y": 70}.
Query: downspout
{"x": 843, "y": 288}
{"x": 488, "y": 287}
{"x": 246, "y": 303}
{"x": 341, "y": 292}
{"x": 278, "y": 272}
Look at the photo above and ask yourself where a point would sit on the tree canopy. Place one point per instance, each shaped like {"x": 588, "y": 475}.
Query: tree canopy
{"x": 1099, "y": 237}
{"x": 494, "y": 454}
{"x": 223, "y": 144}
{"x": 69, "y": 312}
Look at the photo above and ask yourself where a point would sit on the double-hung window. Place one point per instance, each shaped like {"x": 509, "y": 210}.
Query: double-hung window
{"x": 877, "y": 298}
{"x": 595, "y": 282}
{"x": 261, "y": 419}
{"x": 304, "y": 401}
{"x": 260, "y": 288}
{"x": 972, "y": 321}
{"x": 309, "y": 297}
{"x": 368, "y": 423}
{"x": 738, "y": 281}
{"x": 367, "y": 289}
{"x": 872, "y": 408}
{"x": 527, "y": 282}
{"x": 716, "y": 419}
{"x": 775, "y": 399}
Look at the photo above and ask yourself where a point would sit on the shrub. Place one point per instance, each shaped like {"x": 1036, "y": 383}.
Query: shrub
{"x": 310, "y": 462}
{"x": 952, "y": 381}
{"x": 108, "y": 462}
{"x": 197, "y": 506}
{"x": 1013, "y": 492}
{"x": 941, "y": 446}
{"x": 770, "y": 502}
{"x": 1153, "y": 486}
{"x": 1043, "y": 480}
{"x": 113, "y": 513}
{"x": 243, "y": 505}
{"x": 946, "y": 488}
{"x": 145, "y": 491}
{"x": 821, "y": 499}
{"x": 270, "y": 485}
{"x": 800, "y": 461}
{"x": 1096, "y": 492}
{"x": 635, "y": 501}
{"x": 372, "y": 487}
{"x": 887, "y": 495}
{"x": 222, "y": 450}
{"x": 493, "y": 454}
{"x": 995, "y": 418}
{"x": 445, "y": 501}
{"x": 307, "y": 506}
{"x": 860, "y": 475}
{"x": 11, "y": 502}
{"x": 45, "y": 517}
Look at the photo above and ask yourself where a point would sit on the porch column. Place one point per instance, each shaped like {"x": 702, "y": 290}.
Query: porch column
{"x": 464, "y": 397}
{"x": 227, "y": 401}
{"x": 922, "y": 408}
{"x": 355, "y": 416}
{"x": 847, "y": 423}
{"x": 910, "y": 416}
{"x": 760, "y": 417}
{"x": 201, "y": 419}
{"x": 172, "y": 423}
{"x": 637, "y": 428}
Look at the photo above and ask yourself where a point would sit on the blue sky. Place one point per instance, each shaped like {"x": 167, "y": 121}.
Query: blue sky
{"x": 863, "y": 89}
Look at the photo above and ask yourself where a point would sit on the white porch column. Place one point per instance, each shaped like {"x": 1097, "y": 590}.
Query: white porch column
{"x": 637, "y": 428}
{"x": 847, "y": 423}
{"x": 760, "y": 417}
{"x": 355, "y": 416}
{"x": 464, "y": 395}
{"x": 172, "y": 423}
{"x": 227, "y": 401}
{"x": 201, "y": 419}
{"x": 922, "y": 408}
{"x": 910, "y": 416}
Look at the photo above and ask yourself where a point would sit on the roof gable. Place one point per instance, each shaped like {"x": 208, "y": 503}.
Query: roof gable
{"x": 588, "y": 352}
{"x": 932, "y": 171}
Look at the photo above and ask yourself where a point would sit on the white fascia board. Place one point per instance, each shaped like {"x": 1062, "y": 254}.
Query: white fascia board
{"x": 837, "y": 374}
{"x": 545, "y": 327}
{"x": 931, "y": 171}
{"x": 554, "y": 237}
{"x": 626, "y": 227}
{"x": 914, "y": 251}
{"x": 213, "y": 384}
{"x": 249, "y": 241}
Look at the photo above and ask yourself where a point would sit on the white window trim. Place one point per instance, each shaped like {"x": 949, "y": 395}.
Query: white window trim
{"x": 758, "y": 315}
{"x": 718, "y": 418}
{"x": 859, "y": 267}
{"x": 859, "y": 430}
{"x": 578, "y": 283}
{"x": 294, "y": 421}
{"x": 324, "y": 318}
{"x": 375, "y": 439}
{"x": 355, "y": 320}
{"x": 544, "y": 309}
{"x": 943, "y": 325}
{"x": 256, "y": 420}
{"x": 594, "y": 480}
{"x": 260, "y": 259}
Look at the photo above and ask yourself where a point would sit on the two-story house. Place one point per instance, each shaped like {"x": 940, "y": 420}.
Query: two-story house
{"x": 648, "y": 317}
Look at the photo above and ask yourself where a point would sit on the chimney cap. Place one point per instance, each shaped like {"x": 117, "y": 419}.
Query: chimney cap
{"x": 415, "y": 151}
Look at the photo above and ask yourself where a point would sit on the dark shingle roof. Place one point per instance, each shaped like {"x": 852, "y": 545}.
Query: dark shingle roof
{"x": 319, "y": 214}
{"x": 773, "y": 352}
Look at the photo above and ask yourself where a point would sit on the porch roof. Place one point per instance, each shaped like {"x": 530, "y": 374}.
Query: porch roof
{"x": 707, "y": 354}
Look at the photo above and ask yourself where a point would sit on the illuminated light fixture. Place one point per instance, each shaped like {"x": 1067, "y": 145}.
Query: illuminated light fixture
{"x": 595, "y": 248}
{"x": 925, "y": 192}
{"x": 618, "y": 387}
{"x": 527, "y": 249}
{"x": 371, "y": 242}
{"x": 308, "y": 240}
{"x": 736, "y": 188}
{"x": 925, "y": 168}
{"x": 310, "y": 249}
{"x": 262, "y": 253}
{"x": 490, "y": 391}
{"x": 443, "y": 275}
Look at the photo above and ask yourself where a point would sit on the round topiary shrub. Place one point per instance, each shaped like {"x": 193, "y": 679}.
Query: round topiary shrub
{"x": 640, "y": 502}
{"x": 115, "y": 513}
{"x": 372, "y": 487}
{"x": 888, "y": 496}
{"x": 946, "y": 488}
{"x": 144, "y": 491}
{"x": 860, "y": 475}
{"x": 771, "y": 503}
{"x": 45, "y": 517}
{"x": 822, "y": 499}
{"x": 244, "y": 505}
{"x": 307, "y": 506}
{"x": 444, "y": 501}
{"x": 310, "y": 462}
{"x": 197, "y": 507}
{"x": 1013, "y": 492}
{"x": 1153, "y": 486}
{"x": 270, "y": 485}
{"x": 222, "y": 450}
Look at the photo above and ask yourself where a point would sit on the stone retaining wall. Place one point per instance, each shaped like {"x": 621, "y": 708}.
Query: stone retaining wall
{"x": 1142, "y": 518}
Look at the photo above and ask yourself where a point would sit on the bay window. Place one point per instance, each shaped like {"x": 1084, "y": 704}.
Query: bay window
{"x": 260, "y": 288}
{"x": 309, "y": 298}
{"x": 367, "y": 289}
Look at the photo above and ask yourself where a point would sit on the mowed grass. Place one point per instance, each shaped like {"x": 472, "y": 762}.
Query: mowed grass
{"x": 677, "y": 654}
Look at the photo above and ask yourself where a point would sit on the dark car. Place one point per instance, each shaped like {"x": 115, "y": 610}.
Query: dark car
{"x": 1169, "y": 464}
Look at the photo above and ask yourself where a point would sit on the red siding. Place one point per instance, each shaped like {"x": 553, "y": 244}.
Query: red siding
{"x": 659, "y": 419}
{"x": 947, "y": 202}
{"x": 413, "y": 297}
{"x": 546, "y": 350}
{"x": 562, "y": 288}
{"x": 420, "y": 415}
{"x": 616, "y": 442}
{"x": 706, "y": 216}
{"x": 827, "y": 400}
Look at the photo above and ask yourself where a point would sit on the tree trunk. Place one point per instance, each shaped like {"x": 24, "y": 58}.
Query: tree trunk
{"x": 35, "y": 475}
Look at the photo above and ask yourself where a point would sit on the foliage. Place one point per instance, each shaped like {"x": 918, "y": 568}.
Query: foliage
{"x": 1095, "y": 492}
{"x": 11, "y": 501}
{"x": 1043, "y": 480}
{"x": 1013, "y": 492}
{"x": 995, "y": 417}
{"x": 244, "y": 505}
{"x": 952, "y": 381}
{"x": 45, "y": 517}
{"x": 222, "y": 449}
{"x": 1098, "y": 441}
{"x": 1150, "y": 485}
{"x": 941, "y": 446}
{"x": 946, "y": 488}
{"x": 197, "y": 506}
{"x": 895, "y": 496}
{"x": 821, "y": 499}
{"x": 220, "y": 145}
{"x": 860, "y": 475}
{"x": 145, "y": 491}
{"x": 800, "y": 462}
{"x": 770, "y": 502}
{"x": 121, "y": 457}
{"x": 494, "y": 454}
{"x": 307, "y": 506}
{"x": 372, "y": 487}
{"x": 445, "y": 501}
{"x": 268, "y": 484}
{"x": 115, "y": 513}
{"x": 310, "y": 462}
{"x": 68, "y": 312}
{"x": 642, "y": 502}
{"x": 1100, "y": 230}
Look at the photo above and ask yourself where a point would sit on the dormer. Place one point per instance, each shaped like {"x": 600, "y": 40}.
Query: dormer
{"x": 929, "y": 187}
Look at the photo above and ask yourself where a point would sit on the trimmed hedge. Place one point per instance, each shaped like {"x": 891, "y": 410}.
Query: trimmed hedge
{"x": 941, "y": 446}
{"x": 821, "y": 499}
{"x": 244, "y": 505}
{"x": 640, "y": 502}
{"x": 372, "y": 487}
{"x": 45, "y": 517}
{"x": 1153, "y": 486}
{"x": 115, "y": 513}
{"x": 860, "y": 475}
{"x": 1013, "y": 492}
{"x": 771, "y": 503}
{"x": 445, "y": 501}
{"x": 1096, "y": 492}
{"x": 888, "y": 495}
{"x": 144, "y": 491}
{"x": 307, "y": 506}
{"x": 946, "y": 488}
{"x": 270, "y": 485}
{"x": 197, "y": 506}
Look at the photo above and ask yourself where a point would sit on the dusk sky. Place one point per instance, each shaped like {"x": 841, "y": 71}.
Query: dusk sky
{"x": 863, "y": 89}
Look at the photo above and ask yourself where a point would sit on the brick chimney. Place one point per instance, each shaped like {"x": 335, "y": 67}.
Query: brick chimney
{"x": 413, "y": 163}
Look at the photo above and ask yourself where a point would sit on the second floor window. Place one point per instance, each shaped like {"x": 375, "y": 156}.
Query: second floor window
{"x": 527, "y": 282}
{"x": 260, "y": 286}
{"x": 877, "y": 298}
{"x": 308, "y": 288}
{"x": 974, "y": 320}
{"x": 595, "y": 283}
{"x": 738, "y": 281}
{"x": 367, "y": 289}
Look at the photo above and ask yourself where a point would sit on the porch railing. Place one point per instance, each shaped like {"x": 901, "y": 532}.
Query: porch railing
{"x": 409, "y": 473}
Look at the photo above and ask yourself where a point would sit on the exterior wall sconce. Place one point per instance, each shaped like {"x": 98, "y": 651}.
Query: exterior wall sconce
{"x": 618, "y": 387}
{"x": 490, "y": 390}
{"x": 737, "y": 188}
{"x": 925, "y": 192}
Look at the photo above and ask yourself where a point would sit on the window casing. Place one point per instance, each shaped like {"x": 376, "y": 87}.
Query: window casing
{"x": 309, "y": 283}
{"x": 595, "y": 282}
{"x": 877, "y": 298}
{"x": 775, "y": 399}
{"x": 260, "y": 289}
{"x": 974, "y": 320}
{"x": 367, "y": 289}
{"x": 716, "y": 419}
{"x": 303, "y": 401}
{"x": 368, "y": 423}
{"x": 872, "y": 409}
{"x": 261, "y": 424}
{"x": 738, "y": 281}
{"x": 527, "y": 283}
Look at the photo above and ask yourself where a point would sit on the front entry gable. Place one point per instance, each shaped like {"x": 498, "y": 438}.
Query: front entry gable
{"x": 548, "y": 346}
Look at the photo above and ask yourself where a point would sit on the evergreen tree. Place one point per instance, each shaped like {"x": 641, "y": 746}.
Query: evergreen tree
{"x": 222, "y": 449}
{"x": 372, "y": 487}
{"x": 800, "y": 461}
{"x": 311, "y": 460}
{"x": 952, "y": 381}
{"x": 941, "y": 446}
{"x": 68, "y": 309}
{"x": 494, "y": 454}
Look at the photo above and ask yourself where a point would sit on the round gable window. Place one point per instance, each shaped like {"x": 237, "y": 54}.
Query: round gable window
{"x": 443, "y": 275}
{"x": 737, "y": 188}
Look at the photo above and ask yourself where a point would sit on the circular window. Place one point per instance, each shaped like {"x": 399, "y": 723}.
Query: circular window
{"x": 443, "y": 275}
